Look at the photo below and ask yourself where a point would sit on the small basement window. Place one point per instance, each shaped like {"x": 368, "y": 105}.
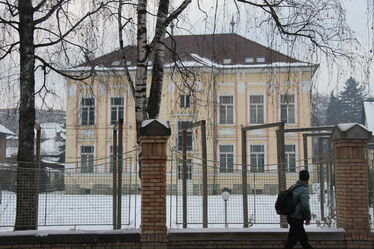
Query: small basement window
{"x": 260, "y": 59}
{"x": 226, "y": 61}
{"x": 249, "y": 60}
{"x": 116, "y": 63}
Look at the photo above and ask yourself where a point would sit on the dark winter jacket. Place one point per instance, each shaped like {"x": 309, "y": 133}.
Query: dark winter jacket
{"x": 301, "y": 198}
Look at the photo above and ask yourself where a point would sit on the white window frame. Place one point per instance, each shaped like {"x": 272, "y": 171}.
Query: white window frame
{"x": 287, "y": 155}
{"x": 81, "y": 154}
{"x": 116, "y": 63}
{"x": 185, "y": 100}
{"x": 233, "y": 110}
{"x": 263, "y": 106}
{"x": 249, "y": 60}
{"x": 250, "y": 157}
{"x": 117, "y": 109}
{"x": 226, "y": 153}
{"x": 89, "y": 110}
{"x": 227, "y": 61}
{"x": 179, "y": 136}
{"x": 189, "y": 165}
{"x": 260, "y": 59}
{"x": 295, "y": 108}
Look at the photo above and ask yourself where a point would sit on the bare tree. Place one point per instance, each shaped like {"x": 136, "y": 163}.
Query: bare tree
{"x": 146, "y": 51}
{"x": 321, "y": 24}
{"x": 34, "y": 28}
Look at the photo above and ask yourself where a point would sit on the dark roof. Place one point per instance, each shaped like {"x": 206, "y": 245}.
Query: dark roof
{"x": 215, "y": 47}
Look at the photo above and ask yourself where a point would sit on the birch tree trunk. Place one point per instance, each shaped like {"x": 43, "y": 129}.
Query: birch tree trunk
{"x": 27, "y": 193}
{"x": 154, "y": 102}
{"x": 144, "y": 51}
{"x": 141, "y": 72}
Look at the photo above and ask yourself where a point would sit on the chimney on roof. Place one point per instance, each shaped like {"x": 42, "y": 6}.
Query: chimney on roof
{"x": 232, "y": 23}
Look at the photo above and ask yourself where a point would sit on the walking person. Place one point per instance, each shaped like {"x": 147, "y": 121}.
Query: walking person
{"x": 302, "y": 213}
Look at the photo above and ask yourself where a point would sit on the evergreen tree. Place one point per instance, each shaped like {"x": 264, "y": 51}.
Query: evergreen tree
{"x": 333, "y": 113}
{"x": 320, "y": 103}
{"x": 351, "y": 102}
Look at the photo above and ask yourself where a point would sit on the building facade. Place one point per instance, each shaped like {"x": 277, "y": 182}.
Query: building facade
{"x": 225, "y": 79}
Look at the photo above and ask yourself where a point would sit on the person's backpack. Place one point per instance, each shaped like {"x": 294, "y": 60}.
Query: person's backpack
{"x": 284, "y": 204}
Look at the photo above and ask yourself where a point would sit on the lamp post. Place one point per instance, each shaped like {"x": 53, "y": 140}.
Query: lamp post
{"x": 226, "y": 192}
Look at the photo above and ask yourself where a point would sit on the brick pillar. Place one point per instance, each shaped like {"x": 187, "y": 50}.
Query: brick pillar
{"x": 153, "y": 138}
{"x": 351, "y": 170}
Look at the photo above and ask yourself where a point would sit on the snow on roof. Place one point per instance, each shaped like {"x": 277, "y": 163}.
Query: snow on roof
{"x": 51, "y": 159}
{"x": 369, "y": 115}
{"x": 200, "y": 62}
{"x": 5, "y": 130}
{"x": 11, "y": 137}
{"x": 163, "y": 122}
{"x": 347, "y": 126}
{"x": 50, "y": 147}
{"x": 52, "y": 125}
{"x": 49, "y": 130}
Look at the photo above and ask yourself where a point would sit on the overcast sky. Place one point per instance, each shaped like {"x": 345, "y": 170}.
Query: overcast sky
{"x": 359, "y": 15}
{"x": 329, "y": 77}
{"x": 360, "y": 18}
{"x": 194, "y": 21}
{"x": 205, "y": 18}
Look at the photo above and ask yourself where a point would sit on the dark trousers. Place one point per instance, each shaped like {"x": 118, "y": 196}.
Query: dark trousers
{"x": 297, "y": 233}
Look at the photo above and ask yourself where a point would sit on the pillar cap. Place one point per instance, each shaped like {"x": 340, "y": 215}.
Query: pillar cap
{"x": 351, "y": 131}
{"x": 155, "y": 127}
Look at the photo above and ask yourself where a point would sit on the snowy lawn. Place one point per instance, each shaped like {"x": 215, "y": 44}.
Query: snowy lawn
{"x": 64, "y": 212}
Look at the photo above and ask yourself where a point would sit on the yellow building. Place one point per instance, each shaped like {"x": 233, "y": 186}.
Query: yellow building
{"x": 225, "y": 79}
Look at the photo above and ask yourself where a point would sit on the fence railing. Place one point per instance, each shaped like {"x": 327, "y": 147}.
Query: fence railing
{"x": 262, "y": 188}
{"x": 72, "y": 199}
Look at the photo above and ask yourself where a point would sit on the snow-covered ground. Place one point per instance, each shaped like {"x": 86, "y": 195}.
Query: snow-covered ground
{"x": 65, "y": 212}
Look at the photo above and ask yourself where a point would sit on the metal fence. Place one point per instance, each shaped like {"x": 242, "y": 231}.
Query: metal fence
{"x": 371, "y": 184}
{"x": 226, "y": 209}
{"x": 71, "y": 199}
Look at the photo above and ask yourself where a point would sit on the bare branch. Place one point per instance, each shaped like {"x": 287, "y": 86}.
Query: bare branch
{"x": 69, "y": 76}
{"x": 120, "y": 34}
{"x": 322, "y": 23}
{"x": 276, "y": 4}
{"x": 11, "y": 23}
{"x": 63, "y": 36}
{"x": 11, "y": 7}
{"x": 50, "y": 12}
{"x": 161, "y": 32}
{"x": 9, "y": 50}
{"x": 120, "y": 29}
{"x": 128, "y": 76}
{"x": 44, "y": 85}
{"x": 37, "y": 7}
